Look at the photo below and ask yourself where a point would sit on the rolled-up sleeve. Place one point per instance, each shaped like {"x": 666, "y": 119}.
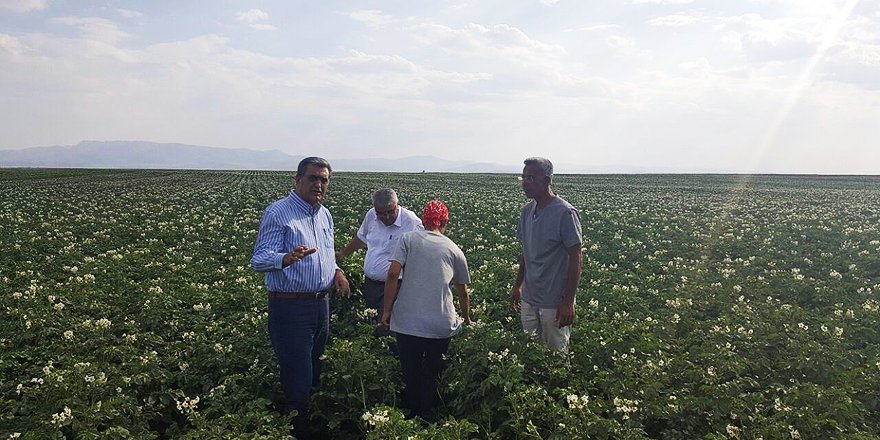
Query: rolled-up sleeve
{"x": 270, "y": 240}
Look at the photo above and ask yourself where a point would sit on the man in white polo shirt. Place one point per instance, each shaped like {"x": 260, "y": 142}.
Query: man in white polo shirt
{"x": 379, "y": 232}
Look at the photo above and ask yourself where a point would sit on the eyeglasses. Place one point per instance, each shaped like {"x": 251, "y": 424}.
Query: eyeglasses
{"x": 527, "y": 178}
{"x": 313, "y": 178}
{"x": 387, "y": 212}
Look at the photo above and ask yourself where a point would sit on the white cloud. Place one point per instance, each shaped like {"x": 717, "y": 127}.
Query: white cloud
{"x": 620, "y": 43}
{"x": 763, "y": 39}
{"x": 520, "y": 65}
{"x": 549, "y": 2}
{"x": 128, "y": 13}
{"x": 11, "y": 44}
{"x": 94, "y": 28}
{"x": 263, "y": 27}
{"x": 24, "y": 5}
{"x": 674, "y": 20}
{"x": 662, "y": 2}
{"x": 617, "y": 87}
{"x": 476, "y": 39}
{"x": 370, "y": 17}
{"x": 700, "y": 67}
{"x": 596, "y": 28}
{"x": 251, "y": 16}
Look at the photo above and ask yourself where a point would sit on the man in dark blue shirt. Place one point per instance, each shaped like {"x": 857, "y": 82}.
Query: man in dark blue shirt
{"x": 296, "y": 251}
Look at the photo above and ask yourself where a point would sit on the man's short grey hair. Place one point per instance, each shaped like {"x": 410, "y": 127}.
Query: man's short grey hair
{"x": 545, "y": 164}
{"x": 384, "y": 197}
{"x": 319, "y": 162}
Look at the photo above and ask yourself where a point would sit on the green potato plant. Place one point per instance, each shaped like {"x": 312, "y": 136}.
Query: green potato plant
{"x": 718, "y": 307}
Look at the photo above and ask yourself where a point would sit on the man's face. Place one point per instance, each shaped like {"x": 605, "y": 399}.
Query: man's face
{"x": 388, "y": 213}
{"x": 533, "y": 180}
{"x": 312, "y": 185}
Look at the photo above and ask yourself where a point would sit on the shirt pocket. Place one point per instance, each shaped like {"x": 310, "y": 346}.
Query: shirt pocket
{"x": 327, "y": 235}
{"x": 293, "y": 237}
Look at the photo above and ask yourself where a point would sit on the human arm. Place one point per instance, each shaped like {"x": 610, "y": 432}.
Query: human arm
{"x": 516, "y": 293}
{"x": 297, "y": 254}
{"x": 269, "y": 253}
{"x": 464, "y": 302}
{"x": 354, "y": 245}
{"x": 341, "y": 284}
{"x": 390, "y": 292}
{"x": 565, "y": 313}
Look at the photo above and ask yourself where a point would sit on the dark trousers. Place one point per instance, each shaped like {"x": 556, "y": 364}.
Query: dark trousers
{"x": 421, "y": 360}
{"x": 374, "y": 294}
{"x": 299, "y": 330}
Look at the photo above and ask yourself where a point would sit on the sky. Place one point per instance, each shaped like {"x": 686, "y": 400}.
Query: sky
{"x": 778, "y": 86}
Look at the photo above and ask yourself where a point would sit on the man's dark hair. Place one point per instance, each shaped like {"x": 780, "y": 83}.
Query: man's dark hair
{"x": 313, "y": 160}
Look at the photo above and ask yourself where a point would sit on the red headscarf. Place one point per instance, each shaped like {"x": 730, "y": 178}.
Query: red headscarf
{"x": 434, "y": 214}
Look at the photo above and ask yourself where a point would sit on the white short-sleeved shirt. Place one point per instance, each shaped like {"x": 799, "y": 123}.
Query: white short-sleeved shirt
{"x": 381, "y": 240}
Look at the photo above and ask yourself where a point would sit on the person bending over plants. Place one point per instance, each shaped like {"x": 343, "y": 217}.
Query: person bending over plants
{"x": 422, "y": 314}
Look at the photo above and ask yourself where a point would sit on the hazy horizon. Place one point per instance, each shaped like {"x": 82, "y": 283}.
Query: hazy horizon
{"x": 759, "y": 86}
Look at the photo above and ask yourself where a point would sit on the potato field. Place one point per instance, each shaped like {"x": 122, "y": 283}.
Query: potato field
{"x": 710, "y": 307}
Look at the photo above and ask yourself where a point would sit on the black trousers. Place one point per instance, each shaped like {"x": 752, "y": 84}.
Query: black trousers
{"x": 374, "y": 294}
{"x": 421, "y": 360}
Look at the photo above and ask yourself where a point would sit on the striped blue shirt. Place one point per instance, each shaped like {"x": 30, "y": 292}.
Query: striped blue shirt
{"x": 286, "y": 224}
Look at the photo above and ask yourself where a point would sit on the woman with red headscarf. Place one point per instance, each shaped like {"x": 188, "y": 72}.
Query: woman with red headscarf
{"x": 421, "y": 313}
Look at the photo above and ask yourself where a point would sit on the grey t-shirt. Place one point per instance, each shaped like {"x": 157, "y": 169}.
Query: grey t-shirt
{"x": 546, "y": 236}
{"x": 424, "y": 305}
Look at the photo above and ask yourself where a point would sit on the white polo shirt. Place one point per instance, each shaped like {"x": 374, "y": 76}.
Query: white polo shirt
{"x": 381, "y": 240}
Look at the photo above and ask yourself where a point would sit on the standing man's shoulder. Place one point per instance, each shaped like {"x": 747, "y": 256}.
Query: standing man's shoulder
{"x": 323, "y": 210}
{"x": 275, "y": 208}
{"x": 570, "y": 222}
{"x": 277, "y": 204}
{"x": 564, "y": 205}
{"x": 410, "y": 218}
{"x": 408, "y": 214}
{"x": 369, "y": 218}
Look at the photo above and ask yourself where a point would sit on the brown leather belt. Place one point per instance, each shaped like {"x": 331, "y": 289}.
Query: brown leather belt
{"x": 298, "y": 296}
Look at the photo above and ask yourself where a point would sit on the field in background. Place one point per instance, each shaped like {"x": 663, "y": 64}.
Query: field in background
{"x": 710, "y": 307}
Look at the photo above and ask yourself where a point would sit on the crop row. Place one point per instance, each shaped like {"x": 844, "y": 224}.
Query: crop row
{"x": 710, "y": 306}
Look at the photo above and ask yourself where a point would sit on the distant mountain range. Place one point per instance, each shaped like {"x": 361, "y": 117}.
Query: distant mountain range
{"x": 151, "y": 155}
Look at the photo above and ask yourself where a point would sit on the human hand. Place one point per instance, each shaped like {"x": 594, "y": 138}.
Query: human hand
{"x": 297, "y": 254}
{"x": 565, "y": 314}
{"x": 515, "y": 295}
{"x": 341, "y": 283}
{"x": 386, "y": 319}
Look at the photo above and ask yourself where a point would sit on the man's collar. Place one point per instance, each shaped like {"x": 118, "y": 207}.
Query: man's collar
{"x": 397, "y": 221}
{"x": 301, "y": 204}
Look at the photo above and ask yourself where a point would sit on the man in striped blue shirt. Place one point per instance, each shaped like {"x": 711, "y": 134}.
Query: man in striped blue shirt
{"x": 296, "y": 251}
